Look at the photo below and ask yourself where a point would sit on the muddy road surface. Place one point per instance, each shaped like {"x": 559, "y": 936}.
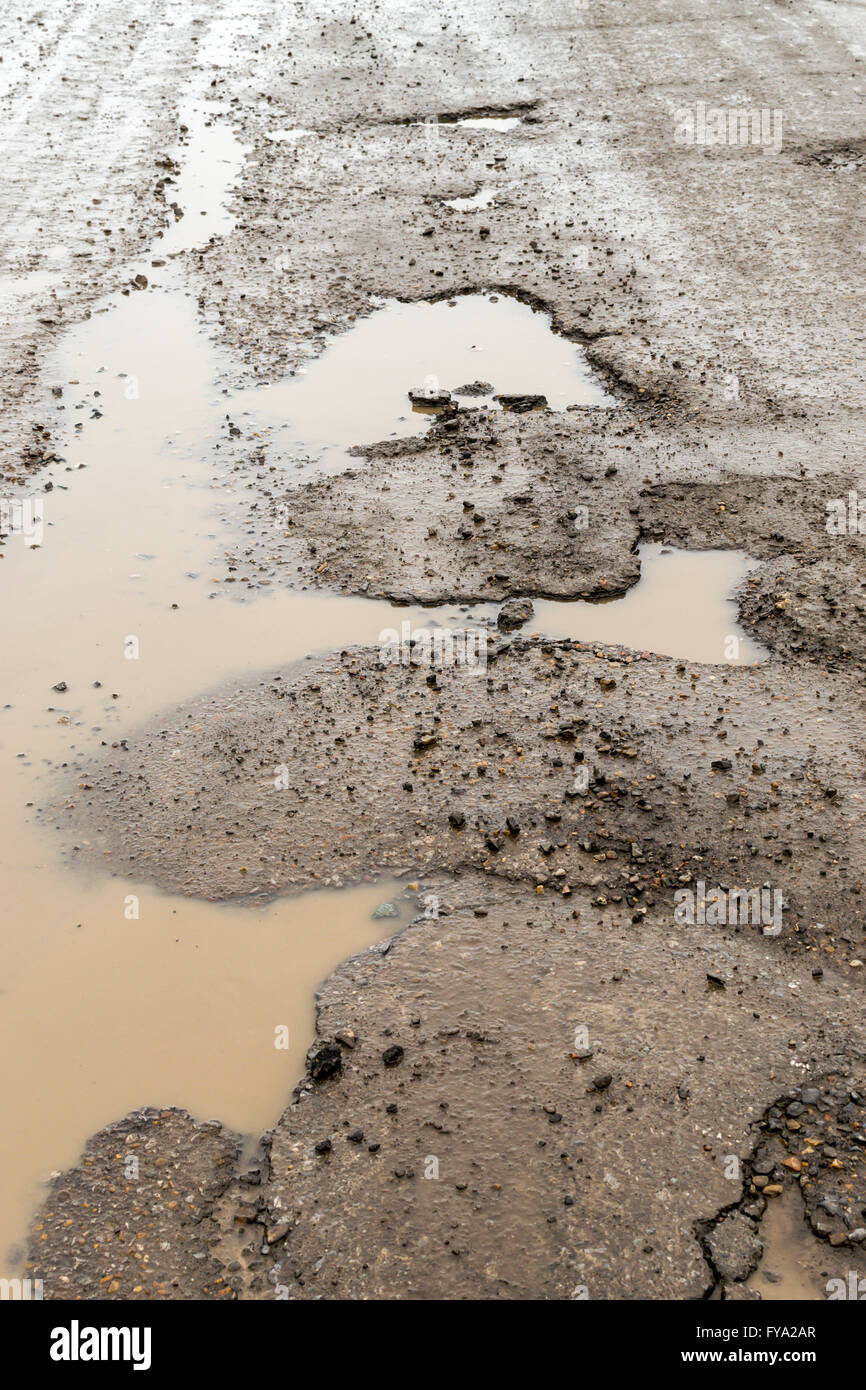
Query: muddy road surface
{"x": 433, "y": 513}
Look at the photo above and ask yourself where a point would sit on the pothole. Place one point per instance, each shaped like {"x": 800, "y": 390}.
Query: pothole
{"x": 501, "y": 123}
{"x": 154, "y": 999}
{"x": 493, "y": 118}
{"x": 794, "y": 1264}
{"x": 210, "y": 157}
{"x": 682, "y": 606}
{"x": 357, "y": 391}
{"x": 484, "y": 198}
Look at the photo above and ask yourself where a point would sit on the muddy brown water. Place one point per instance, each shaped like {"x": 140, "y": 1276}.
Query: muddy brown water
{"x": 181, "y": 1004}
{"x": 682, "y": 606}
{"x": 210, "y": 157}
{"x": 112, "y": 995}
{"x": 357, "y": 391}
{"x": 792, "y": 1264}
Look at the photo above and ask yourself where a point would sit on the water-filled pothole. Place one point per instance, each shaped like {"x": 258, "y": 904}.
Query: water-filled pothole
{"x": 210, "y": 157}
{"x": 483, "y": 198}
{"x": 500, "y": 123}
{"x": 495, "y": 123}
{"x": 794, "y": 1262}
{"x": 682, "y": 606}
{"x": 356, "y": 392}
{"x": 144, "y": 998}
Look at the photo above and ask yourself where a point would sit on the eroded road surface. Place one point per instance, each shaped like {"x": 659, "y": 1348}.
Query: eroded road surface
{"x": 432, "y": 718}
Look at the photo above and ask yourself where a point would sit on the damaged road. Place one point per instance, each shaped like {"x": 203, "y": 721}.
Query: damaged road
{"x": 560, "y": 926}
{"x": 557, "y": 1118}
{"x": 548, "y": 1085}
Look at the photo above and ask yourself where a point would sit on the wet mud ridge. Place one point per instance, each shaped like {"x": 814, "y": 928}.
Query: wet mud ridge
{"x": 556, "y": 765}
{"x": 448, "y": 316}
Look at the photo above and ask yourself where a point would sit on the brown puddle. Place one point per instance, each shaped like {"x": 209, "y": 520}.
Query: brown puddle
{"x": 681, "y": 607}
{"x": 794, "y": 1263}
{"x": 104, "y": 1012}
{"x": 356, "y": 392}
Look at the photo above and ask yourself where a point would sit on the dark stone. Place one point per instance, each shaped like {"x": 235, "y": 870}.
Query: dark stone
{"x": 521, "y": 404}
{"x": 324, "y": 1061}
{"x": 514, "y": 613}
{"x": 474, "y": 388}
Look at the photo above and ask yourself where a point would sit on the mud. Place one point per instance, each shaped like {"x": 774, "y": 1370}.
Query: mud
{"x": 499, "y": 1155}
{"x": 354, "y": 760}
{"x": 369, "y": 161}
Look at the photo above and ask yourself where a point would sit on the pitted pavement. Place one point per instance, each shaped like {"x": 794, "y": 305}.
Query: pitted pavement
{"x": 716, "y": 296}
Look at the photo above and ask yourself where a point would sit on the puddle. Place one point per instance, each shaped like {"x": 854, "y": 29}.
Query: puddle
{"x": 681, "y": 607}
{"x": 484, "y": 198}
{"x": 356, "y": 391}
{"x": 104, "y": 1014}
{"x": 794, "y": 1263}
{"x": 210, "y": 158}
{"x": 487, "y": 122}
